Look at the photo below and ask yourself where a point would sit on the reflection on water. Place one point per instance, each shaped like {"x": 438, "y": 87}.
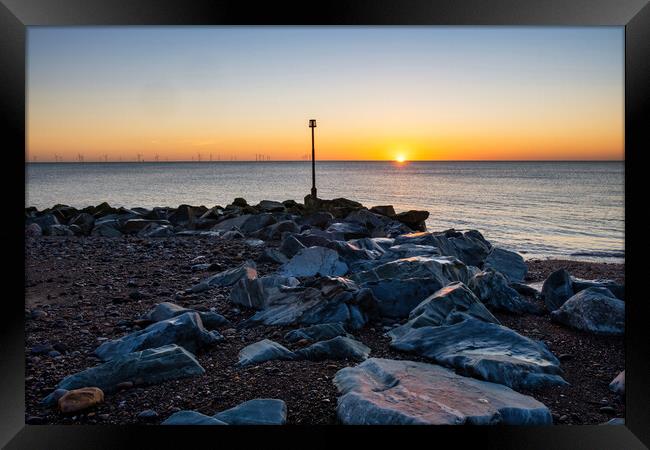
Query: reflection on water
{"x": 542, "y": 209}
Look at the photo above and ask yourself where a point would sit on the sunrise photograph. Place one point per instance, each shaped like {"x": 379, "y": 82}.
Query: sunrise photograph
{"x": 324, "y": 225}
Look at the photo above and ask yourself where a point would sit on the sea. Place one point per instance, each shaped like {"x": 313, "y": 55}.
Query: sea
{"x": 566, "y": 210}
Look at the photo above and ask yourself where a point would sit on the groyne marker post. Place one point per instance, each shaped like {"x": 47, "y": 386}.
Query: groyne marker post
{"x": 312, "y": 125}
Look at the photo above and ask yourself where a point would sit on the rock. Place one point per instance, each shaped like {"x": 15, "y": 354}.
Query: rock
{"x": 150, "y": 366}
{"x": 166, "y": 310}
{"x": 350, "y": 253}
{"x": 484, "y": 350}
{"x": 470, "y": 247}
{"x": 386, "y": 210}
{"x": 232, "y": 235}
{"x": 260, "y": 411}
{"x": 239, "y": 202}
{"x": 510, "y": 264}
{"x": 340, "y": 347}
{"x": 84, "y": 221}
{"x": 187, "y": 214}
{"x": 185, "y": 330}
{"x": 320, "y": 219}
{"x": 349, "y": 230}
{"x": 316, "y": 332}
{"x": 271, "y": 254}
{"x": 392, "y": 392}
{"x": 325, "y": 300}
{"x": 41, "y": 349}
{"x": 227, "y": 277}
{"x": 44, "y": 221}
{"x": 594, "y": 310}
{"x": 257, "y": 222}
{"x": 526, "y": 289}
{"x": 35, "y": 420}
{"x": 133, "y": 226}
{"x": 615, "y": 421}
{"x": 557, "y": 289}
{"x": 437, "y": 308}
{"x": 33, "y": 230}
{"x": 253, "y": 292}
{"x": 155, "y": 230}
{"x": 264, "y": 350}
{"x": 276, "y": 230}
{"x": 291, "y": 245}
{"x": 492, "y": 289}
{"x": 59, "y": 230}
{"x": 148, "y": 415}
{"x": 270, "y": 206}
{"x": 314, "y": 261}
{"x": 618, "y": 384}
{"x": 397, "y": 298}
{"x": 414, "y": 219}
{"x": 444, "y": 269}
{"x": 191, "y": 418}
{"x": 80, "y": 399}
{"x": 106, "y": 230}
{"x": 53, "y": 398}
{"x": 409, "y": 250}
{"x": 367, "y": 219}
{"x": 578, "y": 284}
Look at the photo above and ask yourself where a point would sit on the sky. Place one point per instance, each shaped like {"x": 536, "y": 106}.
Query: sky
{"x": 377, "y": 93}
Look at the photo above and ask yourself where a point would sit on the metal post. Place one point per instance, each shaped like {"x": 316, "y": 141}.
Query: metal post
{"x": 312, "y": 125}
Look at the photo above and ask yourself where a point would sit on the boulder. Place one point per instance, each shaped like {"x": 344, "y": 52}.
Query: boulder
{"x": 350, "y": 253}
{"x": 33, "y": 230}
{"x": 106, "y": 230}
{"x": 253, "y": 292}
{"x": 508, "y": 263}
{"x": 484, "y": 350}
{"x": 414, "y": 219}
{"x": 410, "y": 250}
{"x": 270, "y": 206}
{"x": 340, "y": 347}
{"x": 185, "y": 330}
{"x": 492, "y": 289}
{"x": 271, "y": 254}
{"x": 276, "y": 230}
{"x": 470, "y": 247}
{"x": 239, "y": 201}
{"x": 133, "y": 226}
{"x": 264, "y": 350}
{"x": 191, "y": 418}
{"x": 443, "y": 268}
{"x": 80, "y": 399}
{"x": 59, "y": 230}
{"x": 260, "y": 411}
{"x": 256, "y": 222}
{"x": 149, "y": 366}
{"x": 166, "y": 310}
{"x": 396, "y": 298}
{"x": 595, "y": 310}
{"x": 45, "y": 221}
{"x": 320, "y": 219}
{"x": 290, "y": 245}
{"x": 316, "y": 332}
{"x": 349, "y": 230}
{"x": 187, "y": 214}
{"x": 618, "y": 289}
{"x": 84, "y": 221}
{"x": 313, "y": 261}
{"x": 618, "y": 384}
{"x": 367, "y": 219}
{"x": 227, "y": 277}
{"x": 155, "y": 230}
{"x": 557, "y": 289}
{"x": 392, "y": 392}
{"x": 384, "y": 210}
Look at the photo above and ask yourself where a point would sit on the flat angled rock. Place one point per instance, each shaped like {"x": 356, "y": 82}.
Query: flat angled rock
{"x": 442, "y": 268}
{"x": 510, "y": 264}
{"x": 313, "y": 261}
{"x": 615, "y": 288}
{"x": 253, "y": 292}
{"x": 149, "y": 366}
{"x": 340, "y": 347}
{"x": 166, "y": 310}
{"x": 260, "y": 411}
{"x": 397, "y": 297}
{"x": 316, "y": 332}
{"x": 264, "y": 350}
{"x": 557, "y": 289}
{"x": 595, "y": 310}
{"x": 227, "y": 277}
{"x": 398, "y": 392}
{"x": 618, "y": 384}
{"x": 191, "y": 418}
{"x": 185, "y": 330}
{"x": 485, "y": 350}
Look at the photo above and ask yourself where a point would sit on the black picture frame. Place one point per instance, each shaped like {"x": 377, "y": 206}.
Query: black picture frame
{"x": 16, "y": 15}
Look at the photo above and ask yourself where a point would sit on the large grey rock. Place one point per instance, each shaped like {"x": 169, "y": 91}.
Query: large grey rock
{"x": 313, "y": 261}
{"x": 185, "y": 330}
{"x": 492, "y": 289}
{"x": 594, "y": 310}
{"x": 445, "y": 269}
{"x": 367, "y": 219}
{"x": 257, "y": 222}
{"x": 320, "y": 219}
{"x": 276, "y": 230}
{"x": 349, "y": 230}
{"x": 414, "y": 219}
{"x": 155, "y": 230}
{"x": 106, "y": 230}
{"x": 270, "y": 206}
{"x": 436, "y": 309}
{"x": 484, "y": 350}
{"x": 149, "y": 366}
{"x": 166, "y": 310}
{"x": 510, "y": 264}
{"x": 253, "y": 292}
{"x": 615, "y": 288}
{"x": 396, "y": 298}
{"x": 59, "y": 230}
{"x": 325, "y": 300}
{"x": 191, "y": 418}
{"x": 290, "y": 245}
{"x": 264, "y": 350}
{"x": 557, "y": 289}
{"x": 340, "y": 347}
{"x": 227, "y": 277}
{"x": 84, "y": 221}
{"x": 618, "y": 384}
{"x": 232, "y": 223}
{"x": 470, "y": 247}
{"x": 392, "y": 392}
{"x": 316, "y": 332}
{"x": 260, "y": 411}
{"x": 409, "y": 250}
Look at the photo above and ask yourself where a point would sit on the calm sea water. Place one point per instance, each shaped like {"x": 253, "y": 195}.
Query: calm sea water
{"x": 541, "y": 209}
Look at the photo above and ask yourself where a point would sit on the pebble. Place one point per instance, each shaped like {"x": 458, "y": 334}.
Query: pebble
{"x": 147, "y": 415}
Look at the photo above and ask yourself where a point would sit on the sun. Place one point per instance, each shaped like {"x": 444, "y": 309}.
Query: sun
{"x": 400, "y": 158}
